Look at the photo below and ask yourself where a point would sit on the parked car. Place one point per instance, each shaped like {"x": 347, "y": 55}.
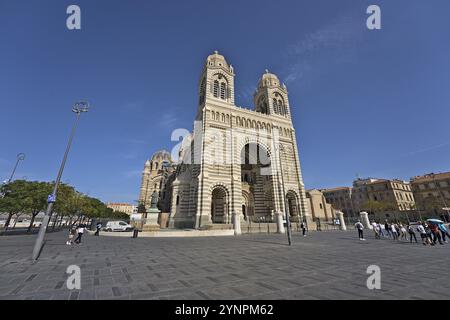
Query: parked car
{"x": 118, "y": 226}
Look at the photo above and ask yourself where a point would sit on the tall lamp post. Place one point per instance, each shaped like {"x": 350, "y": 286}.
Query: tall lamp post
{"x": 20, "y": 157}
{"x": 77, "y": 108}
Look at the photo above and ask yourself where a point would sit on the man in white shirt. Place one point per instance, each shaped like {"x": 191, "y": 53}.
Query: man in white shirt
{"x": 359, "y": 226}
{"x": 80, "y": 231}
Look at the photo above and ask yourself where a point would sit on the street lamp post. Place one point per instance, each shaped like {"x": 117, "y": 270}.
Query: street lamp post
{"x": 20, "y": 157}
{"x": 78, "y": 108}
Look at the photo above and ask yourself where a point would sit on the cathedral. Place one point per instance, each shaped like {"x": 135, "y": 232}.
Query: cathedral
{"x": 238, "y": 166}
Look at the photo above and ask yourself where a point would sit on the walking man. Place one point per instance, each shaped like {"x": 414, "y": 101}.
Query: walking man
{"x": 423, "y": 234}
{"x": 80, "y": 231}
{"x": 412, "y": 234}
{"x": 359, "y": 226}
{"x": 98, "y": 227}
{"x": 303, "y": 226}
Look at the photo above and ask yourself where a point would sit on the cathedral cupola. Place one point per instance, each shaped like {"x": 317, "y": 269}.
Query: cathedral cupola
{"x": 271, "y": 96}
{"x": 216, "y": 82}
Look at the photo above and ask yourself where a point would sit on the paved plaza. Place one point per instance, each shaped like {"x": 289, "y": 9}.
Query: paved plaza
{"x": 324, "y": 265}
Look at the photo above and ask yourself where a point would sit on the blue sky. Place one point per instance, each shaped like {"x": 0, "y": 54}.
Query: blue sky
{"x": 373, "y": 103}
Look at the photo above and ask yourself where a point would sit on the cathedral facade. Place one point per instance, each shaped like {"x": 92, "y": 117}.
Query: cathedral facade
{"x": 238, "y": 165}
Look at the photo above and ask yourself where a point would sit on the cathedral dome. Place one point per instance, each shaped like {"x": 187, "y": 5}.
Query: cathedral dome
{"x": 217, "y": 60}
{"x": 162, "y": 155}
{"x": 268, "y": 80}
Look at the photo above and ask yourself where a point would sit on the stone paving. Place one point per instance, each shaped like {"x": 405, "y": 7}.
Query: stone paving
{"x": 324, "y": 265}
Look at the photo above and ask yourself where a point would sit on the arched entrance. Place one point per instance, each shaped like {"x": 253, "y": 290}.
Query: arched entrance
{"x": 219, "y": 205}
{"x": 256, "y": 182}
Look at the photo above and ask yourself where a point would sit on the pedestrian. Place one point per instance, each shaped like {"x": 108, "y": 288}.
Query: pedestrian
{"x": 429, "y": 234}
{"x": 380, "y": 230}
{"x": 359, "y": 226}
{"x": 98, "y": 227}
{"x": 303, "y": 226}
{"x": 387, "y": 228}
{"x": 403, "y": 232}
{"x": 444, "y": 232}
{"x": 375, "y": 230}
{"x": 80, "y": 231}
{"x": 72, "y": 232}
{"x": 394, "y": 231}
{"x": 423, "y": 234}
{"x": 412, "y": 234}
{"x": 436, "y": 233}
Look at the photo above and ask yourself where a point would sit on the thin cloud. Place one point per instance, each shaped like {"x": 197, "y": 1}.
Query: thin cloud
{"x": 437, "y": 146}
{"x": 168, "y": 119}
{"x": 334, "y": 43}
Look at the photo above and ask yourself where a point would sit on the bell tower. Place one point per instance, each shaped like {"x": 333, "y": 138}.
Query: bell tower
{"x": 216, "y": 82}
{"x": 271, "y": 97}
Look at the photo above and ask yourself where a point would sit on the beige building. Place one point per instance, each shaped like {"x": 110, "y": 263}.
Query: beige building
{"x": 360, "y": 195}
{"x": 157, "y": 177}
{"x": 122, "y": 207}
{"x": 432, "y": 191}
{"x": 319, "y": 207}
{"x": 341, "y": 199}
{"x": 393, "y": 194}
{"x": 239, "y": 164}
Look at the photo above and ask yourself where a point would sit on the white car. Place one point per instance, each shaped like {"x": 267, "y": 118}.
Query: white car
{"x": 118, "y": 226}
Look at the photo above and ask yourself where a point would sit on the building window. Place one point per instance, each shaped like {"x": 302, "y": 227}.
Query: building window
{"x": 216, "y": 89}
{"x": 223, "y": 90}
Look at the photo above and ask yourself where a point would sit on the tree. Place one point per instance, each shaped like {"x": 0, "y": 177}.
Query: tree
{"x": 36, "y": 199}
{"x": 13, "y": 201}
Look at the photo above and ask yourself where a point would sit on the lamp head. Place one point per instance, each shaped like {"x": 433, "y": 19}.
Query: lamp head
{"x": 81, "y": 106}
{"x": 21, "y": 156}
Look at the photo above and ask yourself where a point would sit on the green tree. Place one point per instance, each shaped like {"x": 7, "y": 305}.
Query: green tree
{"x": 13, "y": 201}
{"x": 36, "y": 199}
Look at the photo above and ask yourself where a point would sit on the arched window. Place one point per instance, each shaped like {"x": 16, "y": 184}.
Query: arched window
{"x": 275, "y": 106}
{"x": 281, "y": 107}
{"x": 178, "y": 200}
{"x": 216, "y": 89}
{"x": 223, "y": 90}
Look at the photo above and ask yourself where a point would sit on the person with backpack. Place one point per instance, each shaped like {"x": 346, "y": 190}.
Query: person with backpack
{"x": 359, "y": 226}
{"x": 412, "y": 234}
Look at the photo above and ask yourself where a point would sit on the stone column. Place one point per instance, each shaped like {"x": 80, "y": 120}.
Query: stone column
{"x": 342, "y": 225}
{"x": 280, "y": 225}
{"x": 237, "y": 223}
{"x": 365, "y": 219}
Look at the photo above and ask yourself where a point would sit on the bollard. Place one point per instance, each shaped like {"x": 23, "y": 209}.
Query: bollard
{"x": 135, "y": 233}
